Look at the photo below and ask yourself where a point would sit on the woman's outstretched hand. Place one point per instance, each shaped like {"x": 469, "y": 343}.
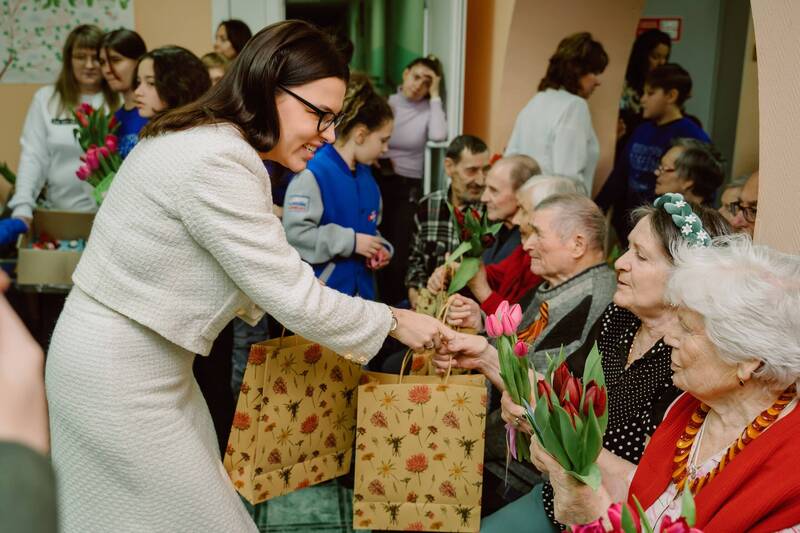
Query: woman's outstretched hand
{"x": 420, "y": 332}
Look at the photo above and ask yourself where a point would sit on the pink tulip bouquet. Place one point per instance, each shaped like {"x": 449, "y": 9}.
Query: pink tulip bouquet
{"x": 513, "y": 355}
{"x": 570, "y": 416}
{"x": 475, "y": 234}
{"x": 621, "y": 519}
{"x": 101, "y": 160}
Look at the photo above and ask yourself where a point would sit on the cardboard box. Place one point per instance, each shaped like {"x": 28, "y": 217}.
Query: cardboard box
{"x": 51, "y": 267}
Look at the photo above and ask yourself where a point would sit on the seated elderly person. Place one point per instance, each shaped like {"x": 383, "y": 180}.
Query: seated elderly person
{"x": 692, "y": 168}
{"x": 745, "y": 208}
{"x": 736, "y": 354}
{"x": 635, "y": 358}
{"x": 511, "y": 278}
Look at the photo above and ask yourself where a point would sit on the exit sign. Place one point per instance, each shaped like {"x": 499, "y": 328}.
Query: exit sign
{"x": 670, "y": 25}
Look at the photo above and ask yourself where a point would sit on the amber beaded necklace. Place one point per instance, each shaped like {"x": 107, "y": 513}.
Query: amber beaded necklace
{"x": 750, "y": 433}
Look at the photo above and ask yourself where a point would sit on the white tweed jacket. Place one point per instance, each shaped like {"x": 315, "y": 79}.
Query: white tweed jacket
{"x": 186, "y": 240}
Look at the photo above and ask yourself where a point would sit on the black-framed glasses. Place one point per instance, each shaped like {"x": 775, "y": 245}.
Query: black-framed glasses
{"x": 661, "y": 169}
{"x": 748, "y": 212}
{"x": 326, "y": 118}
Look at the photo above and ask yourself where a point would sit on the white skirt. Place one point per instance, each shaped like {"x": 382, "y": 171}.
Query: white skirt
{"x": 133, "y": 444}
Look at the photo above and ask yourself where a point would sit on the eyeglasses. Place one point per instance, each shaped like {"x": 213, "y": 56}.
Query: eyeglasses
{"x": 748, "y": 212}
{"x": 661, "y": 169}
{"x": 326, "y": 118}
{"x": 85, "y": 58}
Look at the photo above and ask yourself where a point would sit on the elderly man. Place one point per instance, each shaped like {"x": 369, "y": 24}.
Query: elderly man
{"x": 500, "y": 198}
{"x": 434, "y": 235}
{"x": 744, "y": 210}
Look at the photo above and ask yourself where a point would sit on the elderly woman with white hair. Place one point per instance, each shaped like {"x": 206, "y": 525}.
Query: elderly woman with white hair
{"x": 635, "y": 358}
{"x": 730, "y": 438}
{"x": 511, "y": 278}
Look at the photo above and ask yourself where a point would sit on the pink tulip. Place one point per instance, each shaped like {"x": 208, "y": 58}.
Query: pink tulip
{"x": 678, "y": 526}
{"x": 83, "y": 172}
{"x": 104, "y": 152}
{"x": 91, "y": 159}
{"x": 592, "y": 527}
{"x": 502, "y": 309}
{"x": 515, "y": 313}
{"x": 521, "y": 349}
{"x": 112, "y": 142}
{"x": 615, "y": 517}
{"x": 493, "y": 326}
{"x": 508, "y": 325}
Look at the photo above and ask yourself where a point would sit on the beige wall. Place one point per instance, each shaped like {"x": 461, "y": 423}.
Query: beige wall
{"x": 745, "y": 151}
{"x": 183, "y": 22}
{"x": 776, "y": 23}
{"x": 520, "y": 37}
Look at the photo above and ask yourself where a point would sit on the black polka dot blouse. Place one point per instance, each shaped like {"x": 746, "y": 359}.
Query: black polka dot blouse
{"x": 638, "y": 396}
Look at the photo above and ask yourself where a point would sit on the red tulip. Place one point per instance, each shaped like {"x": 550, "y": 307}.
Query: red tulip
{"x": 560, "y": 377}
{"x": 459, "y": 216}
{"x": 487, "y": 240}
{"x": 81, "y": 119}
{"x": 544, "y": 389}
{"x": 596, "y": 397}
{"x": 112, "y": 122}
{"x": 571, "y": 394}
{"x": 475, "y": 215}
{"x": 572, "y": 412}
{"x": 87, "y": 109}
{"x": 103, "y": 151}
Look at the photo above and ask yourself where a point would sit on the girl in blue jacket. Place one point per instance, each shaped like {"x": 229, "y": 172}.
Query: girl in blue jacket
{"x": 333, "y": 207}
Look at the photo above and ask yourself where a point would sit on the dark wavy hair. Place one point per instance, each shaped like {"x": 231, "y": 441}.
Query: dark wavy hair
{"x": 180, "y": 76}
{"x": 238, "y": 33}
{"x": 576, "y": 56}
{"x": 126, "y": 43}
{"x": 289, "y": 53}
{"x": 638, "y": 62}
{"x": 362, "y": 105}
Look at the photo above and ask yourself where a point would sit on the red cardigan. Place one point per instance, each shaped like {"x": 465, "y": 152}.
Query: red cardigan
{"x": 509, "y": 279}
{"x": 759, "y": 491}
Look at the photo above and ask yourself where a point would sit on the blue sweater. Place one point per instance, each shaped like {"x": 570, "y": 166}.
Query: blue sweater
{"x": 643, "y": 155}
{"x": 351, "y": 200}
{"x": 130, "y": 123}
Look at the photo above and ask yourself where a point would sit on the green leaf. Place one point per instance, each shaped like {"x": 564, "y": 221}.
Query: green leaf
{"x": 593, "y": 369}
{"x": 591, "y": 476}
{"x": 687, "y": 507}
{"x": 468, "y": 268}
{"x": 553, "y": 446}
{"x": 593, "y": 440}
{"x": 458, "y": 252}
{"x": 646, "y": 527}
{"x": 569, "y": 437}
{"x": 628, "y": 525}
{"x": 494, "y": 228}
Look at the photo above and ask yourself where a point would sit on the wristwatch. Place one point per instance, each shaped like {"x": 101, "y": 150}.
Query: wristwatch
{"x": 394, "y": 321}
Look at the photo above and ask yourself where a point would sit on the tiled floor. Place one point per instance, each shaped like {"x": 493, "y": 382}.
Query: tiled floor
{"x": 325, "y": 508}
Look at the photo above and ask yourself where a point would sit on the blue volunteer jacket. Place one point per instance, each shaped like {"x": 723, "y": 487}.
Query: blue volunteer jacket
{"x": 352, "y": 201}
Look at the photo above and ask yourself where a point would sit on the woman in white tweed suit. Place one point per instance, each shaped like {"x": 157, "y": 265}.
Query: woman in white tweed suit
{"x": 185, "y": 241}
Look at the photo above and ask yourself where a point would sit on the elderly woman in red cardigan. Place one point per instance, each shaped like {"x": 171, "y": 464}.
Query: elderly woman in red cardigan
{"x": 731, "y": 437}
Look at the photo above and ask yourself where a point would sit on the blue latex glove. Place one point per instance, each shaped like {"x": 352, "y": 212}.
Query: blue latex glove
{"x": 10, "y": 229}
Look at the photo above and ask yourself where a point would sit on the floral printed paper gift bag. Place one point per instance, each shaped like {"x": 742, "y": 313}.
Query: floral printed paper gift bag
{"x": 419, "y": 453}
{"x": 295, "y": 419}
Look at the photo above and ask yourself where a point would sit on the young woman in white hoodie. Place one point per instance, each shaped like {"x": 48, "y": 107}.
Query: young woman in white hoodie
{"x": 50, "y": 153}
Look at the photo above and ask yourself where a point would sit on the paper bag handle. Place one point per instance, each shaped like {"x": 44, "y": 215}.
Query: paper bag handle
{"x": 408, "y": 357}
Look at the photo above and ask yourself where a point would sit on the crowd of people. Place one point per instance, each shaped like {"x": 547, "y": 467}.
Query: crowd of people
{"x": 265, "y": 183}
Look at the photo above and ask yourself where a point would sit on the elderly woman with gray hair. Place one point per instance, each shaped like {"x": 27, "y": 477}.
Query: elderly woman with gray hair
{"x": 635, "y": 358}
{"x": 730, "y": 438}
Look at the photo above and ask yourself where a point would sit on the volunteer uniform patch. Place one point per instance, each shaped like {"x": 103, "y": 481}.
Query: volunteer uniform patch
{"x": 297, "y": 203}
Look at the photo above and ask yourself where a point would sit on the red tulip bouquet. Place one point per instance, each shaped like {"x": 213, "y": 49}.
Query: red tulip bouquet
{"x": 95, "y": 134}
{"x": 623, "y": 520}
{"x": 513, "y": 355}
{"x": 570, "y": 416}
{"x": 476, "y": 234}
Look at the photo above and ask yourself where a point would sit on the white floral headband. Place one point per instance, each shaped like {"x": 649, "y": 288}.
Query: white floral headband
{"x": 684, "y": 218}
